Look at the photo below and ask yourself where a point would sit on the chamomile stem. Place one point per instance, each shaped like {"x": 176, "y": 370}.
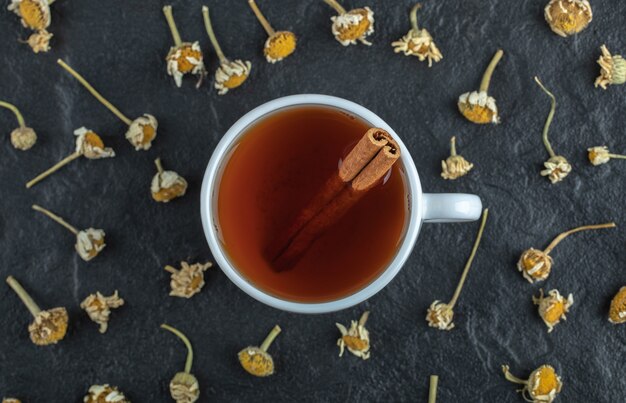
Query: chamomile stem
{"x": 364, "y": 318}
{"x": 185, "y": 340}
{"x": 484, "y": 84}
{"x": 53, "y": 169}
{"x": 266, "y": 24}
{"x": 432, "y": 390}
{"x": 453, "y": 146}
{"x": 56, "y": 218}
{"x": 95, "y": 93}
{"x": 18, "y": 115}
{"x": 512, "y": 378}
{"x": 618, "y": 156}
{"x": 565, "y": 234}
{"x": 211, "y": 33}
{"x": 270, "y": 338}
{"x": 336, "y": 6}
{"x": 159, "y": 167}
{"x": 413, "y": 16}
{"x": 170, "y": 269}
{"x": 459, "y": 287}
{"x": 167, "y": 10}
{"x": 546, "y": 128}
{"x": 26, "y": 299}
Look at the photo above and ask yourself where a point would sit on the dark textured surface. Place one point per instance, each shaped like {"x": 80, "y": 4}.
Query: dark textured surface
{"x": 119, "y": 46}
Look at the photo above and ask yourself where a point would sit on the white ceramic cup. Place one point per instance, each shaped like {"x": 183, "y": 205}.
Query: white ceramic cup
{"x": 422, "y": 207}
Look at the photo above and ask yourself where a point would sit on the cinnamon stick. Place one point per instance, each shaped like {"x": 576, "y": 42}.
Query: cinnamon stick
{"x": 369, "y": 177}
{"x": 362, "y": 153}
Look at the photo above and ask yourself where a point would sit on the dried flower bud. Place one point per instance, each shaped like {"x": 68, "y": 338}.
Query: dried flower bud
{"x": 49, "y": 326}
{"x": 477, "y": 106}
{"x": 142, "y": 131}
{"x": 356, "y": 339}
{"x": 98, "y": 307}
{"x": 184, "y": 388}
{"x": 617, "y": 311}
{"x": 231, "y": 74}
{"x": 189, "y": 280}
{"x": 185, "y": 59}
{"x": 89, "y": 243}
{"x": 23, "y": 138}
{"x": 11, "y": 400}
{"x": 599, "y": 155}
{"x": 612, "y": 69}
{"x": 440, "y": 316}
{"x": 90, "y": 145}
{"x": 279, "y": 45}
{"x": 105, "y": 394}
{"x": 256, "y": 360}
{"x": 167, "y": 185}
{"x": 568, "y": 17}
{"x": 556, "y": 168}
{"x": 418, "y": 42}
{"x": 553, "y": 307}
{"x": 40, "y": 41}
{"x": 541, "y": 387}
{"x": 352, "y": 26}
{"x": 35, "y": 14}
{"x": 535, "y": 265}
{"x": 455, "y": 165}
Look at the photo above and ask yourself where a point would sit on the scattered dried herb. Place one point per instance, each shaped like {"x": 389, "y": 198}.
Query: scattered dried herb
{"x": 105, "y": 394}
{"x": 35, "y": 15}
{"x": 256, "y": 360}
{"x": 167, "y": 185}
{"x": 184, "y": 57}
{"x": 612, "y": 69}
{"x": 23, "y": 137}
{"x": 553, "y": 307}
{"x": 568, "y": 17}
{"x": 279, "y": 44}
{"x": 356, "y": 339}
{"x": 141, "y": 131}
{"x": 418, "y": 42}
{"x": 617, "y": 311}
{"x": 440, "y": 315}
{"x": 88, "y": 145}
{"x": 600, "y": 155}
{"x": 541, "y": 387}
{"x": 432, "y": 389}
{"x": 556, "y": 167}
{"x": 536, "y": 265}
{"x": 98, "y": 307}
{"x": 89, "y": 242}
{"x": 351, "y": 26}
{"x": 187, "y": 281}
{"x": 455, "y": 165}
{"x": 184, "y": 386}
{"x": 230, "y": 74}
{"x": 478, "y": 106}
{"x": 49, "y": 326}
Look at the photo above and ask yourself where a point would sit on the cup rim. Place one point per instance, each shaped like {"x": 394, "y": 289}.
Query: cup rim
{"x": 208, "y": 217}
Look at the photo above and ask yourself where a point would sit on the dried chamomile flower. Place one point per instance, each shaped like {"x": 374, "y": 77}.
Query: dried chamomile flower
{"x": 184, "y": 57}
{"x": 230, "y": 74}
{"x": 189, "y": 280}
{"x": 612, "y": 69}
{"x": 279, "y": 44}
{"x": 455, "y": 165}
{"x": 439, "y": 314}
{"x": 568, "y": 17}
{"x": 256, "y": 360}
{"x": 11, "y": 400}
{"x": 49, "y": 326}
{"x": 88, "y": 145}
{"x": 167, "y": 185}
{"x": 478, "y": 106}
{"x": 601, "y": 155}
{"x": 184, "y": 386}
{"x": 356, "y": 339}
{"x": 351, "y": 26}
{"x": 23, "y": 137}
{"x": 89, "y": 242}
{"x": 418, "y": 42}
{"x": 40, "y": 41}
{"x": 536, "y": 265}
{"x": 556, "y": 167}
{"x": 553, "y": 307}
{"x": 105, "y": 394}
{"x": 98, "y": 307}
{"x": 541, "y": 387}
{"x": 35, "y": 15}
{"x": 141, "y": 131}
{"x": 617, "y": 311}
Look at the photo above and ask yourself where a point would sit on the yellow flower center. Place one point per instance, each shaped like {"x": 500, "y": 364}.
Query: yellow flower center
{"x": 355, "y": 343}
{"x": 235, "y": 80}
{"x": 94, "y": 140}
{"x": 476, "y": 113}
{"x": 148, "y": 134}
{"x": 167, "y": 194}
{"x": 184, "y": 65}
{"x": 355, "y": 31}
{"x": 555, "y": 312}
{"x": 571, "y": 21}
{"x": 33, "y": 14}
{"x": 618, "y": 305}
{"x": 547, "y": 382}
{"x": 257, "y": 364}
{"x": 279, "y": 46}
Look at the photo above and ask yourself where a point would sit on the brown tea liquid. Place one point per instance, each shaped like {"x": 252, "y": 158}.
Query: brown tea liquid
{"x": 276, "y": 168}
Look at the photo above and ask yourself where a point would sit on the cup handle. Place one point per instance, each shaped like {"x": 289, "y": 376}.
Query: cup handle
{"x": 451, "y": 207}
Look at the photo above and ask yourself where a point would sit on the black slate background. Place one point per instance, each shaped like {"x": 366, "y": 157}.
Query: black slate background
{"x": 119, "y": 46}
